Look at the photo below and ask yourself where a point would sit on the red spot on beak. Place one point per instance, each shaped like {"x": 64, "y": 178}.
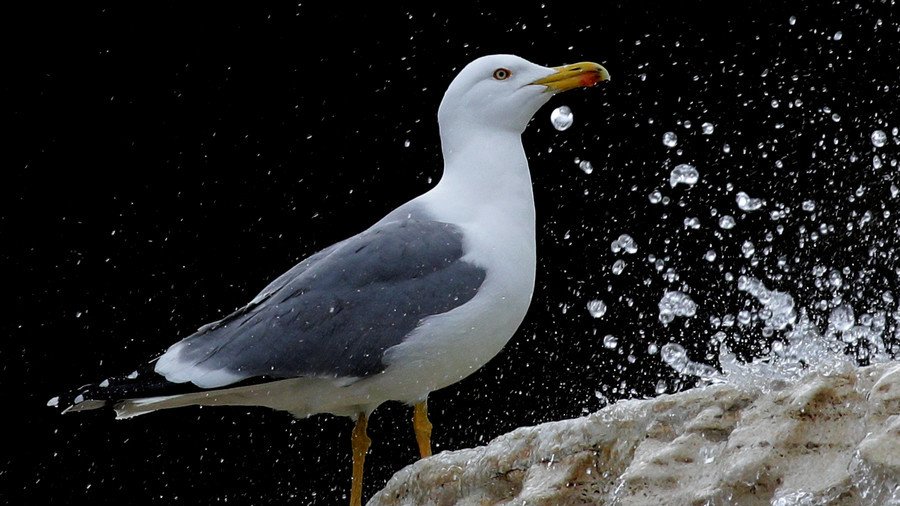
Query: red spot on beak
{"x": 590, "y": 79}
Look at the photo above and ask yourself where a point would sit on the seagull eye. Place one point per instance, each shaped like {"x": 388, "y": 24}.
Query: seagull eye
{"x": 502, "y": 74}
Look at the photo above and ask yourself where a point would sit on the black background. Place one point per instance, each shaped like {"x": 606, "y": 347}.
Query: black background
{"x": 162, "y": 163}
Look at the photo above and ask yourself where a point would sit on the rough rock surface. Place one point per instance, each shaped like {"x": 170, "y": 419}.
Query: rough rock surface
{"x": 827, "y": 439}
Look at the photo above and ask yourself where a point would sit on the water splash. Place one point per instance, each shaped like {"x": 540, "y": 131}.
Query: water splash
{"x": 799, "y": 346}
{"x": 675, "y": 356}
{"x": 778, "y": 307}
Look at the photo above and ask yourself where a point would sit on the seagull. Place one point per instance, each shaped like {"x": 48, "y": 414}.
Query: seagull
{"x": 418, "y": 301}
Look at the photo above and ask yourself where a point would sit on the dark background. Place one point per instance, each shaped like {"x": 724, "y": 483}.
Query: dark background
{"x": 162, "y": 163}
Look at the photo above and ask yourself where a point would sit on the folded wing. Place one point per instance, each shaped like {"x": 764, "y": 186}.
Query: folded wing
{"x": 335, "y": 313}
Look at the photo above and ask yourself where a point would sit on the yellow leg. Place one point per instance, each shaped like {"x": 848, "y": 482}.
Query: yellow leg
{"x": 361, "y": 443}
{"x": 422, "y": 426}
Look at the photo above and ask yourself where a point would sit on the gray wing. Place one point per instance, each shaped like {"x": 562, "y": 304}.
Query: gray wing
{"x": 335, "y": 313}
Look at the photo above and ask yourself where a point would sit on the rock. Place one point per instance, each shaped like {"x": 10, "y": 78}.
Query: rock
{"x": 827, "y": 439}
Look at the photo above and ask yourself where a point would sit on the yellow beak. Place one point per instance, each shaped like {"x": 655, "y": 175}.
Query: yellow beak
{"x": 577, "y": 75}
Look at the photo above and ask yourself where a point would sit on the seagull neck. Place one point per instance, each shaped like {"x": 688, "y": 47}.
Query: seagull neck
{"x": 485, "y": 173}
{"x": 483, "y": 158}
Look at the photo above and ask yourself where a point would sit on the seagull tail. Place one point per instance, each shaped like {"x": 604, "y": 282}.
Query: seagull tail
{"x": 144, "y": 391}
{"x": 132, "y": 395}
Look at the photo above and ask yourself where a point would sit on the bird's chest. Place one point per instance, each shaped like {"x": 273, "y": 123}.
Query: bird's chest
{"x": 506, "y": 249}
{"x": 448, "y": 347}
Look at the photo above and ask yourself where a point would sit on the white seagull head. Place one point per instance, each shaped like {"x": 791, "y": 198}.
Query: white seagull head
{"x": 504, "y": 91}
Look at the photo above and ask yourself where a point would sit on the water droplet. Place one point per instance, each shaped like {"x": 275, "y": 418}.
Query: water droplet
{"x": 675, "y": 303}
{"x": 809, "y": 205}
{"x": 748, "y": 249}
{"x": 586, "y": 166}
{"x": 562, "y": 118}
{"x": 670, "y": 139}
{"x": 674, "y": 355}
{"x": 597, "y": 308}
{"x": 835, "y": 279}
{"x": 610, "y": 342}
{"x": 655, "y": 197}
{"x": 747, "y": 203}
{"x": 708, "y": 128}
{"x": 726, "y": 148}
{"x": 774, "y": 103}
{"x": 835, "y": 117}
{"x": 792, "y": 20}
{"x": 661, "y": 387}
{"x": 684, "y": 174}
{"x": 406, "y": 143}
{"x": 876, "y": 162}
{"x": 618, "y": 266}
{"x": 838, "y": 36}
{"x": 879, "y": 138}
{"x": 624, "y": 242}
{"x": 841, "y": 318}
{"x": 710, "y": 256}
{"x": 726, "y": 222}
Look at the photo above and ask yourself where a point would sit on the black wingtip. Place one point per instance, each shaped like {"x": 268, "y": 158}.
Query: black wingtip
{"x": 84, "y": 398}
{"x": 142, "y": 383}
